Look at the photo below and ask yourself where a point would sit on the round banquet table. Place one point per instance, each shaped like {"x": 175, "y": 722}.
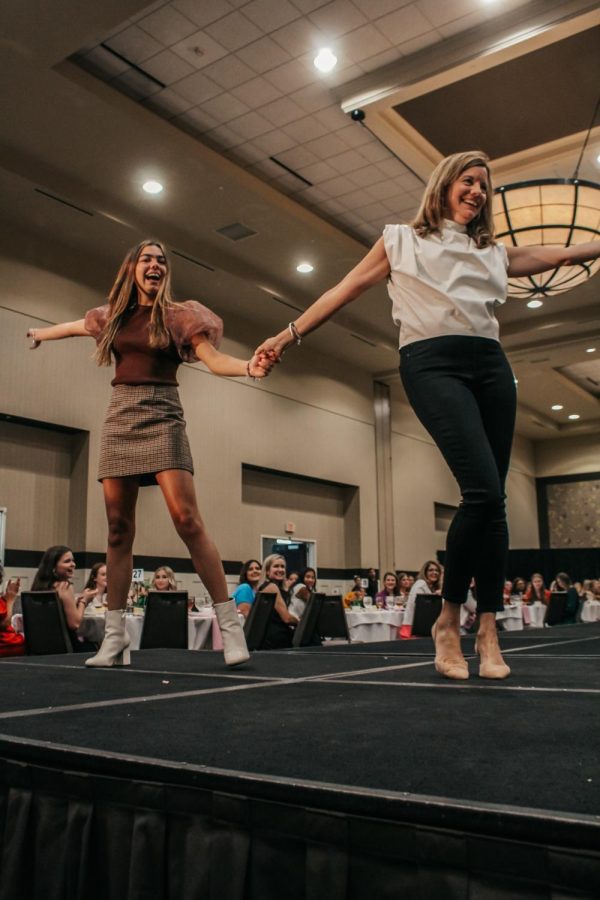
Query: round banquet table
{"x": 369, "y": 625}
{"x": 590, "y": 611}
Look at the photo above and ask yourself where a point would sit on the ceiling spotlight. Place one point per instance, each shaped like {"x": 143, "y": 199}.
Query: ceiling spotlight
{"x": 304, "y": 268}
{"x": 535, "y": 304}
{"x": 325, "y": 60}
{"x": 574, "y": 416}
{"x": 152, "y": 187}
{"x": 557, "y": 406}
{"x": 591, "y": 350}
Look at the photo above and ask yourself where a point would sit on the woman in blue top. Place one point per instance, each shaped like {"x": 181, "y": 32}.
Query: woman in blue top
{"x": 250, "y": 578}
{"x": 446, "y": 274}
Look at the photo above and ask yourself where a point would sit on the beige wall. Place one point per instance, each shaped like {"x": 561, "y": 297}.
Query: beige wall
{"x": 568, "y": 456}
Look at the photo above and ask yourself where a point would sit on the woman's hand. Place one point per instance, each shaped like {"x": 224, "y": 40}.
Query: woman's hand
{"x": 275, "y": 347}
{"x": 260, "y": 365}
{"x": 12, "y": 589}
{"x": 87, "y": 595}
{"x": 32, "y": 333}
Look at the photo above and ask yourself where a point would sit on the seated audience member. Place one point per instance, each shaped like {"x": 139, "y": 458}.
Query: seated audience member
{"x": 11, "y": 643}
{"x": 163, "y": 579}
{"x": 468, "y": 610}
{"x": 519, "y": 587}
{"x": 429, "y": 581}
{"x": 372, "y": 583}
{"x": 55, "y": 573}
{"x": 562, "y": 582}
{"x": 596, "y": 589}
{"x": 355, "y": 595}
{"x": 507, "y": 592}
{"x": 95, "y": 586}
{"x": 280, "y": 627}
{"x": 291, "y": 581}
{"x": 386, "y": 598}
{"x": 405, "y": 582}
{"x": 303, "y": 591}
{"x": 537, "y": 590}
{"x": 250, "y": 578}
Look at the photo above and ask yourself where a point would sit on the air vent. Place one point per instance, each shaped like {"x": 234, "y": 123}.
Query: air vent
{"x": 285, "y": 303}
{"x": 191, "y": 259}
{"x": 363, "y": 340}
{"x": 291, "y": 171}
{"x": 64, "y": 202}
{"x": 236, "y": 231}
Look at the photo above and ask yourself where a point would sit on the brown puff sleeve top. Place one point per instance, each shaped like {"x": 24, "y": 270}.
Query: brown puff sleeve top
{"x": 138, "y": 363}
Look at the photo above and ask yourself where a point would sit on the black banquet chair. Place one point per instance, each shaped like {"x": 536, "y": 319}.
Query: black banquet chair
{"x": 44, "y": 624}
{"x": 427, "y": 609}
{"x": 165, "y": 621}
{"x": 255, "y": 626}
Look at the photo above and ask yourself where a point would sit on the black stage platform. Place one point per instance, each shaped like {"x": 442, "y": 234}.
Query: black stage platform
{"x": 335, "y": 773}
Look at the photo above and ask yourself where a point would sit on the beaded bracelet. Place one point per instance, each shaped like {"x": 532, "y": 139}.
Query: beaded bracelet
{"x": 251, "y": 377}
{"x": 295, "y": 333}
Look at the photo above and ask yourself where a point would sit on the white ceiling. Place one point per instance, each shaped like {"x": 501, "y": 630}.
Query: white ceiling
{"x": 240, "y": 88}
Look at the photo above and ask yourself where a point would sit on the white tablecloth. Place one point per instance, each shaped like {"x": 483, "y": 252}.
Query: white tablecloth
{"x": 202, "y": 631}
{"x": 537, "y": 612}
{"x": 368, "y": 625}
{"x": 511, "y": 617}
{"x": 590, "y": 611}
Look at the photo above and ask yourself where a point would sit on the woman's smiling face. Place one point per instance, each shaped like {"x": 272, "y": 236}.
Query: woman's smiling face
{"x": 466, "y": 197}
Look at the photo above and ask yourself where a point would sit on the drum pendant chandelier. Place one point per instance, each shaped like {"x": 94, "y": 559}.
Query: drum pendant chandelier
{"x": 562, "y": 211}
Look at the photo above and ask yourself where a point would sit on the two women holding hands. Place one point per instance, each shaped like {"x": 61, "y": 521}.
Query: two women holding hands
{"x": 446, "y": 274}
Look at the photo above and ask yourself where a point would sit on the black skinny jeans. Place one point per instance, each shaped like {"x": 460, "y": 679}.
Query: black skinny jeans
{"x": 463, "y": 391}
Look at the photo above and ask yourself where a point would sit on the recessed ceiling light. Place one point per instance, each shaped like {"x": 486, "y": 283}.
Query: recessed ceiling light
{"x": 304, "y": 267}
{"x": 557, "y": 406}
{"x": 152, "y": 187}
{"x": 574, "y": 416}
{"x": 591, "y": 350}
{"x": 325, "y": 60}
{"x": 534, "y": 304}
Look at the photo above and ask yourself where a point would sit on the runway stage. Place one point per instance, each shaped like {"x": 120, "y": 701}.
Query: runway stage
{"x": 335, "y": 773}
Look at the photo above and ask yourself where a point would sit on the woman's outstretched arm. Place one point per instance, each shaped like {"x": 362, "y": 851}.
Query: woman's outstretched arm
{"x": 373, "y": 268}
{"x": 223, "y": 364}
{"x": 57, "y": 332}
{"x": 533, "y": 260}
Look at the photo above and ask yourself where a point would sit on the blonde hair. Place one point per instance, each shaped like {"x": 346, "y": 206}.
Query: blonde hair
{"x": 431, "y": 212}
{"x": 269, "y": 562}
{"x": 122, "y": 297}
{"x": 423, "y": 570}
{"x": 170, "y": 576}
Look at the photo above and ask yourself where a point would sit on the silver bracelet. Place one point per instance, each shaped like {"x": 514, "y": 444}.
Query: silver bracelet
{"x": 295, "y": 333}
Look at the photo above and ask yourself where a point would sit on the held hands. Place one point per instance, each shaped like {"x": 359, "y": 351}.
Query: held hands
{"x": 32, "y": 333}
{"x": 274, "y": 347}
{"x": 260, "y": 365}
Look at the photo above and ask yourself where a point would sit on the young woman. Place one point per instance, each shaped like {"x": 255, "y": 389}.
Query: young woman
{"x": 163, "y": 579}
{"x": 386, "y": 598}
{"x": 95, "y": 586}
{"x": 11, "y": 643}
{"x": 279, "y": 630}
{"x": 143, "y": 439}
{"x": 428, "y": 581}
{"x": 537, "y": 590}
{"x": 446, "y": 274}
{"x": 405, "y": 582}
{"x": 250, "y": 578}
{"x": 55, "y": 573}
{"x": 302, "y": 592}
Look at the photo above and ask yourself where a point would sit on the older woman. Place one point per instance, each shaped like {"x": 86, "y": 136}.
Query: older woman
{"x": 144, "y": 439}
{"x": 446, "y": 274}
{"x": 279, "y": 630}
{"x": 428, "y": 581}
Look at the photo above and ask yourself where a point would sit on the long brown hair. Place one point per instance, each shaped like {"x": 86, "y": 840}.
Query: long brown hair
{"x": 431, "y": 212}
{"x": 123, "y": 296}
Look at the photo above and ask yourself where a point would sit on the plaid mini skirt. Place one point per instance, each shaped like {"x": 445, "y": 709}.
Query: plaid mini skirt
{"x": 143, "y": 433}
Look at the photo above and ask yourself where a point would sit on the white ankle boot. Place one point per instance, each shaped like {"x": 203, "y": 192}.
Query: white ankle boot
{"x": 115, "y": 646}
{"x": 234, "y": 642}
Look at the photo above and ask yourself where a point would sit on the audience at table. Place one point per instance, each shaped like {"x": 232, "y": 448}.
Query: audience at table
{"x": 429, "y": 581}
{"x": 11, "y": 643}
{"x": 55, "y": 573}
{"x": 163, "y": 579}
{"x": 355, "y": 595}
{"x": 372, "y": 583}
{"x": 280, "y": 628}
{"x": 405, "y": 582}
{"x": 245, "y": 592}
{"x": 386, "y": 597}
{"x": 519, "y": 587}
{"x": 95, "y": 587}
{"x": 563, "y": 583}
{"x": 303, "y": 591}
{"x": 537, "y": 590}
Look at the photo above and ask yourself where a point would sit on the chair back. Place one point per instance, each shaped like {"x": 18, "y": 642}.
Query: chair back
{"x": 44, "y": 624}
{"x": 324, "y": 617}
{"x": 556, "y": 611}
{"x": 306, "y": 633}
{"x": 255, "y": 626}
{"x": 165, "y": 621}
{"x": 427, "y": 609}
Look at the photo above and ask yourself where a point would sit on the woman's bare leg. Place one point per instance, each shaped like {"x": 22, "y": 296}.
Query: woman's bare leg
{"x": 178, "y": 490}
{"x": 120, "y": 497}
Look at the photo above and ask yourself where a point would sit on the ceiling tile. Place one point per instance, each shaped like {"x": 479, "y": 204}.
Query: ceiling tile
{"x": 374, "y": 152}
{"x": 197, "y": 120}
{"x": 225, "y": 107}
{"x": 441, "y": 13}
{"x": 274, "y": 143}
{"x": 247, "y": 153}
{"x": 354, "y": 198}
{"x": 199, "y": 49}
{"x": 297, "y": 157}
{"x": 371, "y": 211}
{"x": 134, "y": 44}
{"x": 305, "y": 129}
{"x": 347, "y": 161}
{"x": 340, "y": 76}
{"x": 455, "y": 26}
{"x": 251, "y": 125}
{"x": 374, "y": 9}
{"x": 197, "y": 88}
{"x": 167, "y": 67}
{"x": 256, "y": 92}
{"x": 333, "y": 118}
{"x": 404, "y": 24}
{"x": 103, "y": 62}
{"x": 381, "y": 190}
{"x": 234, "y": 31}
{"x": 311, "y": 98}
{"x": 291, "y": 76}
{"x": 338, "y": 17}
{"x": 167, "y": 25}
{"x": 356, "y": 135}
{"x": 223, "y": 136}
{"x": 366, "y": 177}
{"x": 381, "y": 59}
{"x": 137, "y": 85}
{"x": 230, "y": 72}
{"x": 336, "y": 187}
{"x": 300, "y": 37}
{"x": 318, "y": 172}
{"x": 270, "y": 14}
{"x": 202, "y": 13}
{"x": 281, "y": 112}
{"x": 307, "y": 6}
{"x": 167, "y": 103}
{"x": 420, "y": 42}
{"x": 263, "y": 55}
{"x": 391, "y": 167}
{"x": 327, "y": 146}
{"x": 149, "y": 8}
{"x": 362, "y": 43}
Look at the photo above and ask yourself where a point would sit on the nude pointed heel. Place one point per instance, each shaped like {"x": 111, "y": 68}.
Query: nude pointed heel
{"x": 496, "y": 671}
{"x": 456, "y": 670}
